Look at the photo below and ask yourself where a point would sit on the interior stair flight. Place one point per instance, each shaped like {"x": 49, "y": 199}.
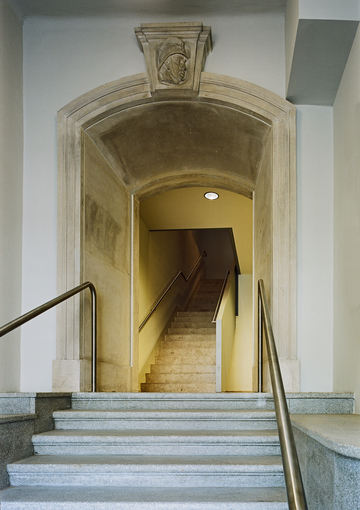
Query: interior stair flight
{"x": 186, "y": 361}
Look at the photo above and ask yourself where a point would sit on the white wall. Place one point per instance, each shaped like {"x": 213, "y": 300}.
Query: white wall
{"x": 315, "y": 246}
{"x": 11, "y": 156}
{"x": 64, "y": 58}
{"x": 347, "y": 228}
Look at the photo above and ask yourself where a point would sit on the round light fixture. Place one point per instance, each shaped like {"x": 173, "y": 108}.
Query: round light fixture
{"x": 211, "y": 195}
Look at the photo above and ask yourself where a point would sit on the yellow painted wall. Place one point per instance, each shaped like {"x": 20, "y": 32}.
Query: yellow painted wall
{"x": 240, "y": 370}
{"x": 187, "y": 208}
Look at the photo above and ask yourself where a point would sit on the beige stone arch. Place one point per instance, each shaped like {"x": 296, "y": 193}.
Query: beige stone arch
{"x": 231, "y": 134}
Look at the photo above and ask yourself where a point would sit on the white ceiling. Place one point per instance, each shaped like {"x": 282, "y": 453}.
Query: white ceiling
{"x": 112, "y": 8}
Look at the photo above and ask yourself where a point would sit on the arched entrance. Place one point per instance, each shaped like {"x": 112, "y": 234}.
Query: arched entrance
{"x": 119, "y": 144}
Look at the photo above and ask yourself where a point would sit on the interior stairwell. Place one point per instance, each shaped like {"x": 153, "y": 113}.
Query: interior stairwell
{"x": 187, "y": 358}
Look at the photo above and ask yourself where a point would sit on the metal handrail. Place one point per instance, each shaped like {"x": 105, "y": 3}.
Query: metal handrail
{"x": 180, "y": 273}
{"x": 220, "y": 296}
{"x": 294, "y": 486}
{"x": 10, "y": 326}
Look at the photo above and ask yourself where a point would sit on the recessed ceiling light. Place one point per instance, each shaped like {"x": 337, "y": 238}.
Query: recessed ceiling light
{"x": 211, "y": 195}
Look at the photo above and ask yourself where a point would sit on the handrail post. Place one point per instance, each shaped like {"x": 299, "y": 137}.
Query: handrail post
{"x": 260, "y": 344}
{"x": 93, "y": 336}
{"x": 294, "y": 486}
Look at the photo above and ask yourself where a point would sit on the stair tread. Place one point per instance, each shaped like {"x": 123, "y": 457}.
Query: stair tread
{"x": 134, "y": 498}
{"x": 185, "y": 414}
{"x": 160, "y": 435}
{"x": 174, "y": 462}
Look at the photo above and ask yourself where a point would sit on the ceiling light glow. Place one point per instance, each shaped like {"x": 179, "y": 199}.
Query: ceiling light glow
{"x": 211, "y": 195}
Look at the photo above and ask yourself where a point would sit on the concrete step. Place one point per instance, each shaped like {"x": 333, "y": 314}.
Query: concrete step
{"x": 182, "y": 369}
{"x": 157, "y": 442}
{"x": 147, "y": 498}
{"x": 148, "y": 471}
{"x": 180, "y": 378}
{"x": 164, "y": 419}
{"x": 179, "y": 387}
{"x": 175, "y": 401}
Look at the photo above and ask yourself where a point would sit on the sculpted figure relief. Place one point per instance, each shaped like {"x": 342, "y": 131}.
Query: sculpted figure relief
{"x": 172, "y": 61}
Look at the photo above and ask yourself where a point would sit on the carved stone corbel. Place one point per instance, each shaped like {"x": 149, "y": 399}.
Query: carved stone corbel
{"x": 174, "y": 53}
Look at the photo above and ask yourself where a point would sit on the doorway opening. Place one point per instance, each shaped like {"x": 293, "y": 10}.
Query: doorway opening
{"x": 175, "y": 227}
{"x": 119, "y": 145}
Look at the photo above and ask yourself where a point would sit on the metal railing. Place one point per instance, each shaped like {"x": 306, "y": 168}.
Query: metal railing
{"x": 180, "y": 273}
{"x": 294, "y": 486}
{"x": 220, "y": 296}
{"x": 10, "y": 326}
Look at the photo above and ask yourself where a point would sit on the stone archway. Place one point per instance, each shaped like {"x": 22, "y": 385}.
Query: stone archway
{"x": 231, "y": 134}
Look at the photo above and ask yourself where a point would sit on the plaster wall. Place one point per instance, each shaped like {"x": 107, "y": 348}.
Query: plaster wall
{"x": 11, "y": 183}
{"x": 347, "y": 227}
{"x": 315, "y": 191}
{"x": 64, "y": 58}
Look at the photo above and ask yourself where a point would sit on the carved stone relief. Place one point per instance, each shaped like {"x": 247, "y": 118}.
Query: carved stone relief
{"x": 174, "y": 53}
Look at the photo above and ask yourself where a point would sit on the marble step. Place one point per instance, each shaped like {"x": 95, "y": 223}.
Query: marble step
{"x": 180, "y": 378}
{"x": 175, "y": 401}
{"x": 148, "y": 471}
{"x": 188, "y": 343}
{"x": 156, "y": 442}
{"x": 179, "y": 387}
{"x": 143, "y": 498}
{"x": 182, "y": 369}
{"x": 164, "y": 420}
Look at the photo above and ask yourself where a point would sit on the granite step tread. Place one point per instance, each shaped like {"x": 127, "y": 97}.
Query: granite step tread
{"x": 196, "y": 338}
{"x": 180, "y": 378}
{"x": 157, "y": 442}
{"x": 188, "y": 331}
{"x": 164, "y": 419}
{"x": 190, "y": 343}
{"x": 190, "y": 351}
{"x": 137, "y": 470}
{"x": 193, "y": 324}
{"x": 148, "y": 498}
{"x": 182, "y": 369}
{"x": 176, "y": 401}
{"x": 194, "y": 318}
{"x": 194, "y": 314}
{"x": 168, "y": 359}
{"x": 178, "y": 387}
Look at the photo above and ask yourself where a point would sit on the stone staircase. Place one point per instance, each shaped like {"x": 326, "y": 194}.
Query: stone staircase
{"x": 154, "y": 451}
{"x": 187, "y": 357}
